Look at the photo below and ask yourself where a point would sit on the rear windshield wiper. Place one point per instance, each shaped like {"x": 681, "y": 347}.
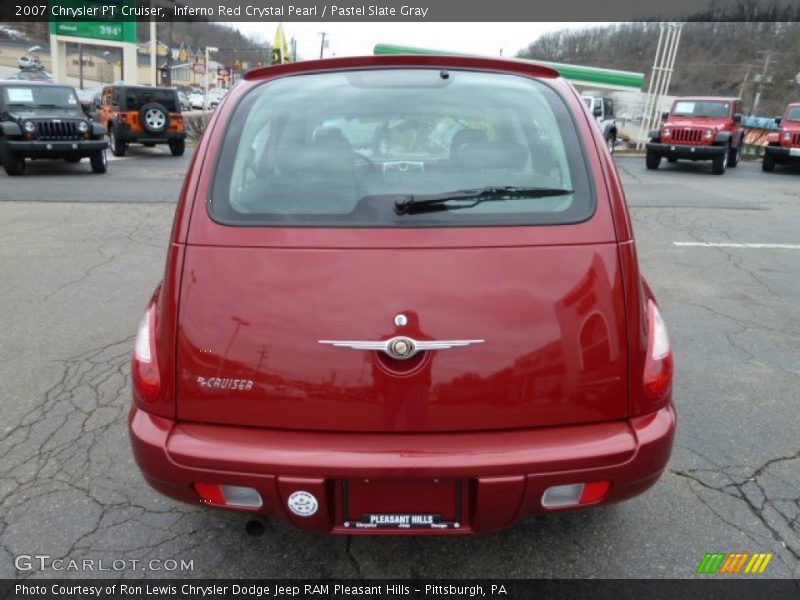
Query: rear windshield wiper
{"x": 434, "y": 202}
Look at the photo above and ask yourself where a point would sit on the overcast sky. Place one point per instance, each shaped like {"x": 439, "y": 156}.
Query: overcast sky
{"x": 348, "y": 39}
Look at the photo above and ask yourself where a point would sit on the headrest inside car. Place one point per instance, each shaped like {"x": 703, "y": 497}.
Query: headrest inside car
{"x": 324, "y": 157}
{"x": 492, "y": 155}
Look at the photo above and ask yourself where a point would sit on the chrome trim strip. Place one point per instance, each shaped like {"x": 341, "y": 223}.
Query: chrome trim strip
{"x": 386, "y": 346}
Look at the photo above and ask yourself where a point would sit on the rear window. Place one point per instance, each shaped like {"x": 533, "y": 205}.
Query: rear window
{"x": 135, "y": 99}
{"x": 343, "y": 148}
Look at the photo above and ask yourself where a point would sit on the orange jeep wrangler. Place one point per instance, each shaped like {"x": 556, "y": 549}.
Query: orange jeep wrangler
{"x": 142, "y": 114}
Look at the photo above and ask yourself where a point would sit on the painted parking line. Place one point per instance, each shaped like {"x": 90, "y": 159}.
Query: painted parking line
{"x": 734, "y": 245}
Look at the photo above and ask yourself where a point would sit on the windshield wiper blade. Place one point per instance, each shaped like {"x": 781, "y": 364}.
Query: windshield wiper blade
{"x": 433, "y": 202}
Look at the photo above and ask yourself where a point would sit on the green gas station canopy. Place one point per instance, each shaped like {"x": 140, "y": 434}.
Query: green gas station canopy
{"x": 575, "y": 74}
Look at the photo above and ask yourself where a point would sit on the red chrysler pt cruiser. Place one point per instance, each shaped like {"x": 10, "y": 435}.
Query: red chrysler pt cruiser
{"x": 402, "y": 296}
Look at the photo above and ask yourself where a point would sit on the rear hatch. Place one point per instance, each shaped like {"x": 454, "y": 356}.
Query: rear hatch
{"x": 531, "y": 304}
{"x": 554, "y": 347}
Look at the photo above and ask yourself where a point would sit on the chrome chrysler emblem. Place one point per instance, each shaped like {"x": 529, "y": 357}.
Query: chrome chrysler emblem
{"x": 401, "y": 348}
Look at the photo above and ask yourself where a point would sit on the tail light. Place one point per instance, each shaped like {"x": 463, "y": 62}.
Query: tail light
{"x": 658, "y": 363}
{"x": 144, "y": 368}
{"x": 123, "y": 118}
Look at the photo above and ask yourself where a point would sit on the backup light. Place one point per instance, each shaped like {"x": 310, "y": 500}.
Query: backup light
{"x": 144, "y": 367}
{"x": 229, "y": 495}
{"x": 142, "y": 348}
{"x": 658, "y": 363}
{"x": 575, "y": 494}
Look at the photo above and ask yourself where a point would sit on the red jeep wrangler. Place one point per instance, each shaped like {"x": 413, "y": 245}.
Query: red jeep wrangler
{"x": 784, "y": 146}
{"x": 699, "y": 129}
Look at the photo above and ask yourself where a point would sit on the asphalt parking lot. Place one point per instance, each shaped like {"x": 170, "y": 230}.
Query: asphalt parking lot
{"x": 80, "y": 255}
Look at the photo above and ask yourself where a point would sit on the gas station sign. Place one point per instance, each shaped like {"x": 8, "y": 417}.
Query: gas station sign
{"x": 110, "y": 28}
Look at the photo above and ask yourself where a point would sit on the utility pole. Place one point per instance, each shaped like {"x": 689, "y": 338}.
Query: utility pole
{"x": 169, "y": 54}
{"x": 80, "y": 65}
{"x": 762, "y": 79}
{"x": 322, "y": 44}
{"x": 744, "y": 82}
{"x": 153, "y": 52}
{"x": 209, "y": 50}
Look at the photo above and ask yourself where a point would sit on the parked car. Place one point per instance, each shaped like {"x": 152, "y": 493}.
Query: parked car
{"x": 29, "y": 62}
{"x": 197, "y": 100}
{"x": 783, "y": 146}
{"x": 216, "y": 95}
{"x": 406, "y": 337}
{"x": 699, "y": 128}
{"x": 90, "y": 98}
{"x": 602, "y": 109}
{"x": 46, "y": 121}
{"x": 183, "y": 98}
{"x": 144, "y": 115}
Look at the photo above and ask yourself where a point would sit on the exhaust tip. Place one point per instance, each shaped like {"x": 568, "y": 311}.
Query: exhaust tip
{"x": 255, "y": 528}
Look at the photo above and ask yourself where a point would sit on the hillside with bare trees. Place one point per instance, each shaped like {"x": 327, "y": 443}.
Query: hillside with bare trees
{"x": 714, "y": 58}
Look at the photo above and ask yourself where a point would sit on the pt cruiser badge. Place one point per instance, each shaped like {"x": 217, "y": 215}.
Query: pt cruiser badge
{"x": 401, "y": 348}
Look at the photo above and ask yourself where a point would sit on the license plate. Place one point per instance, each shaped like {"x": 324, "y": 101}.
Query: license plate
{"x": 402, "y": 504}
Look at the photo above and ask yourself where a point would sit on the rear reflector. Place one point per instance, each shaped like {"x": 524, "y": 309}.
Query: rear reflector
{"x": 229, "y": 495}
{"x": 574, "y": 494}
{"x": 594, "y": 491}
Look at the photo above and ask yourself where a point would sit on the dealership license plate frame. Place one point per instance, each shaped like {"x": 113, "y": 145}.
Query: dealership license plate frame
{"x": 403, "y": 520}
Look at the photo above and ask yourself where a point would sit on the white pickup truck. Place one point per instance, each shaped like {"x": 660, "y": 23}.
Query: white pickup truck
{"x": 602, "y": 108}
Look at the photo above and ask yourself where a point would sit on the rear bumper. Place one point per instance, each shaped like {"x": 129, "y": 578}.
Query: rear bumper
{"x": 505, "y": 473}
{"x": 127, "y": 135}
{"x": 782, "y": 154}
{"x": 686, "y": 152}
{"x": 46, "y": 149}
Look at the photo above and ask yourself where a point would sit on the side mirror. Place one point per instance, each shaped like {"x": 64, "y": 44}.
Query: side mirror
{"x": 778, "y": 121}
{"x": 664, "y": 116}
{"x": 86, "y": 109}
{"x": 598, "y": 111}
{"x": 97, "y": 102}
{"x": 737, "y": 117}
